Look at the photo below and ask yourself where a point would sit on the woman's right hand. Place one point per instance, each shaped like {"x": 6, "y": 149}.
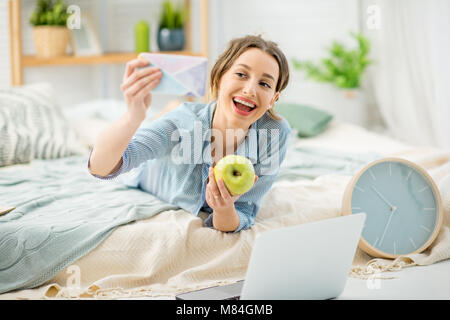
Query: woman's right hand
{"x": 136, "y": 86}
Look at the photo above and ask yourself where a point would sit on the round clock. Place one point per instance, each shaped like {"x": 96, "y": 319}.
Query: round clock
{"x": 402, "y": 204}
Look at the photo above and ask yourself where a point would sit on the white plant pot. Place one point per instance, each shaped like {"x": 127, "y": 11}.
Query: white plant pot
{"x": 50, "y": 41}
{"x": 350, "y": 106}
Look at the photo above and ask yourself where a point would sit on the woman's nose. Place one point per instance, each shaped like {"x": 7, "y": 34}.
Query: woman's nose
{"x": 250, "y": 88}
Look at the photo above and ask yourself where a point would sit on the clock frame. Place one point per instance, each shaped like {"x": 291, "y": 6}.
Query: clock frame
{"x": 347, "y": 207}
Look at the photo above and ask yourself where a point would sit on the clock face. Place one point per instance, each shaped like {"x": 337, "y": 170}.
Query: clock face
{"x": 400, "y": 204}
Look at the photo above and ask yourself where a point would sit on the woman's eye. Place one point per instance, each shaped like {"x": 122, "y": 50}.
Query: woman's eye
{"x": 264, "y": 84}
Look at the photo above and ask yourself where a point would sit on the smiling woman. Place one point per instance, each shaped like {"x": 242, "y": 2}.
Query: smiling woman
{"x": 279, "y": 77}
{"x": 246, "y": 81}
{"x": 246, "y": 90}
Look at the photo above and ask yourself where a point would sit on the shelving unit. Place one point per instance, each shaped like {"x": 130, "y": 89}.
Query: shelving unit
{"x": 32, "y": 61}
{"x": 20, "y": 61}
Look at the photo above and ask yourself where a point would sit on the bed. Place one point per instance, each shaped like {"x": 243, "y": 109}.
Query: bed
{"x": 81, "y": 238}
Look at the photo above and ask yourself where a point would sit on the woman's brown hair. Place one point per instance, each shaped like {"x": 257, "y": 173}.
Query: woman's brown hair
{"x": 238, "y": 46}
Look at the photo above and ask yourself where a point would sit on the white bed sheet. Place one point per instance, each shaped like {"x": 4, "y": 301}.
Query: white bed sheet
{"x": 419, "y": 283}
{"x": 430, "y": 282}
{"x": 424, "y": 282}
{"x": 346, "y": 137}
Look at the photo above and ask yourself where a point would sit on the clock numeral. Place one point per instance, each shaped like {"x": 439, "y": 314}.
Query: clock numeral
{"x": 423, "y": 189}
{"x": 390, "y": 169}
{"x": 429, "y": 209}
{"x": 395, "y": 248}
{"x": 425, "y": 228}
{"x": 359, "y": 188}
{"x": 409, "y": 175}
{"x": 376, "y": 242}
{"x": 373, "y": 176}
{"x": 412, "y": 242}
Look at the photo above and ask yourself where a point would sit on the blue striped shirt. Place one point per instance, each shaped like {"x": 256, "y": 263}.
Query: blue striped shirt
{"x": 170, "y": 158}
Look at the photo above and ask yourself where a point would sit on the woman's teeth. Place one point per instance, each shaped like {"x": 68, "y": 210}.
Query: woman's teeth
{"x": 243, "y": 108}
{"x": 245, "y": 103}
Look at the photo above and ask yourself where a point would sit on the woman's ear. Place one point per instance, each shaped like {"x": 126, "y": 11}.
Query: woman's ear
{"x": 274, "y": 99}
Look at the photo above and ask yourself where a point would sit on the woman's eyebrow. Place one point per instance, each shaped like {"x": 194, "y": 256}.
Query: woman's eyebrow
{"x": 264, "y": 74}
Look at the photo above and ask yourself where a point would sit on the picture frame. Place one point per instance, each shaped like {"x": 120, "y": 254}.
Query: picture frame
{"x": 84, "y": 40}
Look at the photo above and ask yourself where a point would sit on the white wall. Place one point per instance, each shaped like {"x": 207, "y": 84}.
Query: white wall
{"x": 302, "y": 28}
{"x": 114, "y": 21}
{"x": 4, "y": 45}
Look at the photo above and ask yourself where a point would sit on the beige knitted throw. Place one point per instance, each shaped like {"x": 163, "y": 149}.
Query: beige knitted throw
{"x": 172, "y": 253}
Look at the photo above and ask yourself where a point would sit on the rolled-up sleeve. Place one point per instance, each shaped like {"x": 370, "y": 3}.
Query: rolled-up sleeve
{"x": 246, "y": 215}
{"x": 122, "y": 169}
{"x": 248, "y": 205}
{"x": 151, "y": 141}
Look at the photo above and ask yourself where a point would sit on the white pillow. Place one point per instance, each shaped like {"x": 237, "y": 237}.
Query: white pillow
{"x": 91, "y": 117}
{"x": 88, "y": 129}
{"x": 32, "y": 126}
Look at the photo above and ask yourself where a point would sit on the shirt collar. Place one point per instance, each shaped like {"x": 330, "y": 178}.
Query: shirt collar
{"x": 248, "y": 147}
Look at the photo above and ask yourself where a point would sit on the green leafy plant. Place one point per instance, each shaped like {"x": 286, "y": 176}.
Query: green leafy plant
{"x": 49, "y": 13}
{"x": 343, "y": 68}
{"x": 172, "y": 17}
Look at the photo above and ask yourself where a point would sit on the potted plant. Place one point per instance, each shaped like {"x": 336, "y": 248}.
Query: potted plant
{"x": 50, "y": 33}
{"x": 171, "y": 35}
{"x": 344, "y": 69}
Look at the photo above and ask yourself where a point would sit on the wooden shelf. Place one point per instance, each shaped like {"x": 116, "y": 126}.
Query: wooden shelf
{"x": 107, "y": 58}
{"x": 20, "y": 61}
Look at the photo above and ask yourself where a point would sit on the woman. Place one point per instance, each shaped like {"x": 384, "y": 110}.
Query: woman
{"x": 245, "y": 83}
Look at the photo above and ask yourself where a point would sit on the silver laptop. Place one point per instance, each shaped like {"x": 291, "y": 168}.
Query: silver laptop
{"x": 307, "y": 261}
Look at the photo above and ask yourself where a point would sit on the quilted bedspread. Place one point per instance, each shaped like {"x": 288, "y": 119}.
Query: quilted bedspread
{"x": 123, "y": 242}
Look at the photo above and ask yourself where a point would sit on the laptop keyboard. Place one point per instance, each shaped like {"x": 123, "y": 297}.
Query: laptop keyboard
{"x": 225, "y": 292}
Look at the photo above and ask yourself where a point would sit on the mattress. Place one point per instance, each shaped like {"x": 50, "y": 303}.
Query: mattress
{"x": 170, "y": 252}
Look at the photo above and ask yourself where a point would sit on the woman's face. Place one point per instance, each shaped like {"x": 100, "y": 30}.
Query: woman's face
{"x": 247, "y": 89}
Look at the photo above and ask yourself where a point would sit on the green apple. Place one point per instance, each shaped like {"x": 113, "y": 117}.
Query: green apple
{"x": 237, "y": 173}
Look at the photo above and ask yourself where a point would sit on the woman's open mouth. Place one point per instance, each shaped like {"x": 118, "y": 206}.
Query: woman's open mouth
{"x": 243, "y": 107}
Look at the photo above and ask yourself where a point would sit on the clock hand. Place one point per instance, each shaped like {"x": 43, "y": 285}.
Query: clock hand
{"x": 384, "y": 199}
{"x": 387, "y": 225}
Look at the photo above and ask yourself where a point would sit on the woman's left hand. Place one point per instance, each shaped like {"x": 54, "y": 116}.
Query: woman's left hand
{"x": 217, "y": 195}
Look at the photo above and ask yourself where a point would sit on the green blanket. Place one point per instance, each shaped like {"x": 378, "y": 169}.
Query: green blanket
{"x": 310, "y": 162}
{"x": 62, "y": 212}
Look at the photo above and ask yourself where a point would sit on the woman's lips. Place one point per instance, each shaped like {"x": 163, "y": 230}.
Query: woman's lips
{"x": 245, "y": 100}
{"x": 242, "y": 112}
